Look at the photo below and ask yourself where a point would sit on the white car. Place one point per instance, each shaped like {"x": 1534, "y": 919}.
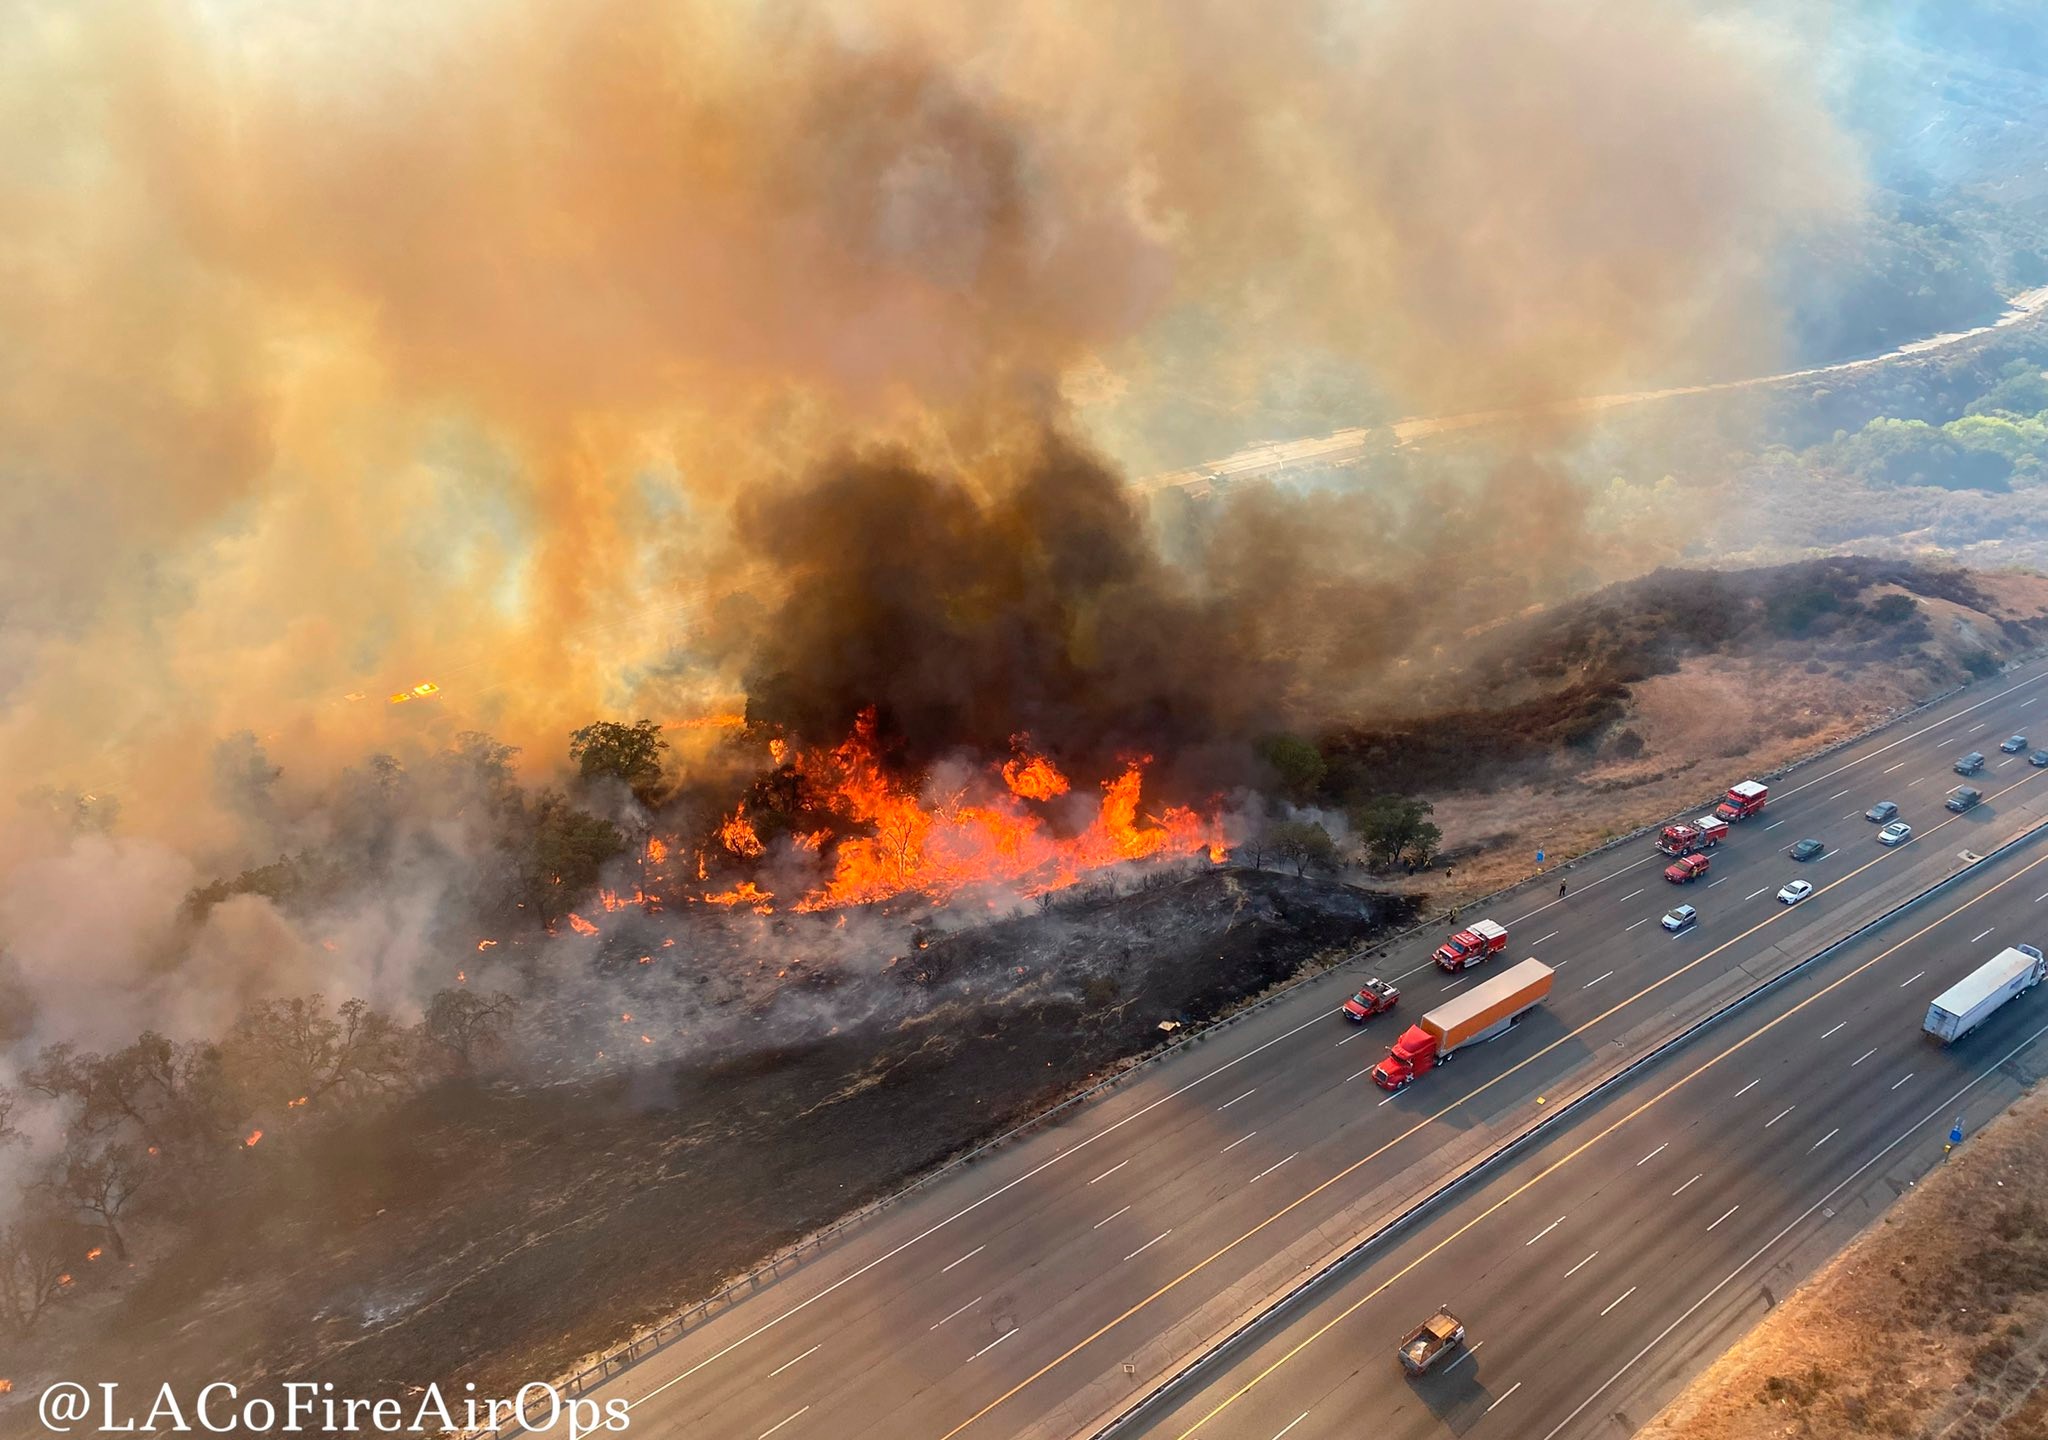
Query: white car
{"x": 1795, "y": 892}
{"x": 1681, "y": 917}
{"x": 1896, "y": 833}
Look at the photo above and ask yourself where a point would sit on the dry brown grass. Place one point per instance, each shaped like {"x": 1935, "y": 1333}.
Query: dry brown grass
{"x": 1711, "y": 720}
{"x": 1934, "y": 1323}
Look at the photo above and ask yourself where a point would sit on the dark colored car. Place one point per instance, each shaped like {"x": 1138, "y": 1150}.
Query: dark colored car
{"x": 2038, "y": 759}
{"x": 1807, "y": 850}
{"x": 1882, "y": 811}
{"x": 1970, "y": 764}
{"x": 1963, "y": 798}
{"x": 2013, "y": 744}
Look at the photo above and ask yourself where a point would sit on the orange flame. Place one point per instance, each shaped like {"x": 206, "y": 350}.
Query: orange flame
{"x": 737, "y": 834}
{"x": 707, "y": 722}
{"x": 778, "y": 751}
{"x": 940, "y": 847}
{"x": 646, "y": 1040}
{"x": 1033, "y": 777}
{"x": 94, "y": 1253}
{"x": 64, "y": 1279}
{"x": 6, "y": 1386}
{"x": 580, "y": 925}
{"x": 745, "y": 893}
{"x": 254, "y": 1136}
{"x": 461, "y": 977}
{"x": 485, "y": 944}
{"x": 295, "y": 1104}
{"x": 657, "y": 850}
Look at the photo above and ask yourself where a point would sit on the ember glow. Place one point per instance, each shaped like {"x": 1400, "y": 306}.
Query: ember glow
{"x": 94, "y": 1253}
{"x": 254, "y": 1136}
{"x": 984, "y": 835}
{"x": 485, "y": 944}
{"x": 580, "y": 925}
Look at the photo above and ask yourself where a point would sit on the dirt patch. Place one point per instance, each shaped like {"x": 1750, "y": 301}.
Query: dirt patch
{"x": 496, "y": 1235}
{"x": 1934, "y": 1323}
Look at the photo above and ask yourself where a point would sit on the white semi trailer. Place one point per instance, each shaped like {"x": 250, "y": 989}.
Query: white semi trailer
{"x": 1972, "y": 1000}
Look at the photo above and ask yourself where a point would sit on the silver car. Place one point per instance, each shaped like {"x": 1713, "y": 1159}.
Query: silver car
{"x": 1896, "y": 833}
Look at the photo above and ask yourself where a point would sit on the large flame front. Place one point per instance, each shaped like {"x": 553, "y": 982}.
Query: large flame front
{"x": 940, "y": 846}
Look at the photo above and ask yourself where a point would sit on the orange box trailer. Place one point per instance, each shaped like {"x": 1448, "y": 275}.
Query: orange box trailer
{"x": 1479, "y": 1014}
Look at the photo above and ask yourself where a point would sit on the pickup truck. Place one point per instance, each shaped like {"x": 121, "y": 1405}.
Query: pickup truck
{"x": 1686, "y": 870}
{"x": 1374, "y": 997}
{"x": 1440, "y": 1335}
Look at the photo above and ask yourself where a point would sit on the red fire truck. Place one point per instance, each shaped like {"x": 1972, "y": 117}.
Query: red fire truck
{"x": 1702, "y": 834}
{"x": 1744, "y": 799}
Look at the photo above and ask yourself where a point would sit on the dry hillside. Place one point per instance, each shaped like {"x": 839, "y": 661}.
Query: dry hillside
{"x": 1934, "y": 1324}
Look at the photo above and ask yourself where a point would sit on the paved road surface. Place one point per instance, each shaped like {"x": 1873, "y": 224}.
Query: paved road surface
{"x": 1616, "y": 1258}
{"x": 1006, "y": 1299}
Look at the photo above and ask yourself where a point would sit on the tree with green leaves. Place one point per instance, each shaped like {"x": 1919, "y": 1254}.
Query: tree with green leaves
{"x": 630, "y": 754}
{"x": 1394, "y": 827}
{"x": 1297, "y": 765}
{"x": 1302, "y": 844}
{"x": 565, "y": 852}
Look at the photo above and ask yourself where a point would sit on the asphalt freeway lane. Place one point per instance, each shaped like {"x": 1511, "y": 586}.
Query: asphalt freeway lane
{"x": 1600, "y": 1269}
{"x": 1008, "y": 1297}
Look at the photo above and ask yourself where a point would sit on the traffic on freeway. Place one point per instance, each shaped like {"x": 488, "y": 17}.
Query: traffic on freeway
{"x": 1611, "y": 1261}
{"x": 1040, "y": 1290}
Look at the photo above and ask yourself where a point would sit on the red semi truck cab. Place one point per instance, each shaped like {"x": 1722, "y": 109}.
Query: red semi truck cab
{"x": 1686, "y": 870}
{"x": 1488, "y": 1009}
{"x": 1702, "y": 834}
{"x": 1469, "y": 947}
{"x": 1744, "y": 799}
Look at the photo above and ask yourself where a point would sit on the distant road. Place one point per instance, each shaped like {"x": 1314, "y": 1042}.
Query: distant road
{"x": 1270, "y": 458}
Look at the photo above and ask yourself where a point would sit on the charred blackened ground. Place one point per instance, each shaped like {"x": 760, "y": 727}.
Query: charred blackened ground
{"x": 495, "y": 1233}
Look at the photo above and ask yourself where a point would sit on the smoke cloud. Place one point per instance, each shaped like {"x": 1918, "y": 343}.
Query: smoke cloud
{"x": 614, "y": 359}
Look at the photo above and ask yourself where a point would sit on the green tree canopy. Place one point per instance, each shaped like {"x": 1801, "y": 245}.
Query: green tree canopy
{"x": 1396, "y": 826}
{"x": 1296, "y": 763}
{"x": 630, "y": 753}
{"x": 1302, "y": 844}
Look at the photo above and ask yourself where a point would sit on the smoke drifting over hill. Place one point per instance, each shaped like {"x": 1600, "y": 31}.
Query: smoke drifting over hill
{"x": 624, "y": 359}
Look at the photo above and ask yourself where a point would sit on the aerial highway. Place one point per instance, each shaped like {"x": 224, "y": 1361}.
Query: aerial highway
{"x": 1615, "y": 1257}
{"x": 1041, "y": 1290}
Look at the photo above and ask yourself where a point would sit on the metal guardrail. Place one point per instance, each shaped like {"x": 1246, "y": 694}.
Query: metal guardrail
{"x": 667, "y": 1332}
